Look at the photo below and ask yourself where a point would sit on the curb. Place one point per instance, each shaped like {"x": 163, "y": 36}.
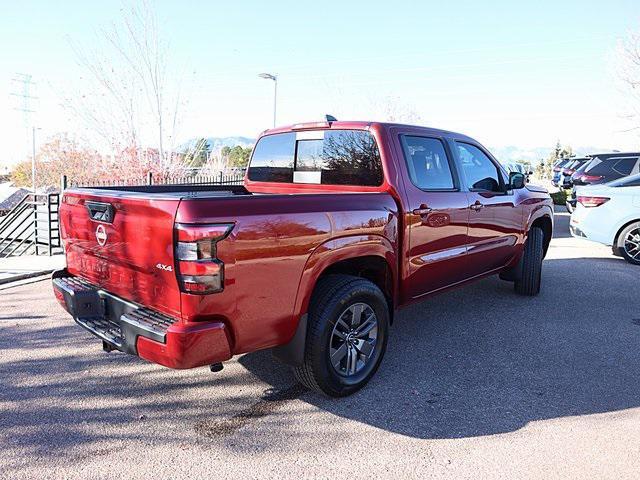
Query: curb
{"x": 24, "y": 276}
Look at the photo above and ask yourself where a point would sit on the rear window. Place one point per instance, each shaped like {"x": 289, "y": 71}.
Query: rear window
{"x": 620, "y": 166}
{"x": 571, "y": 164}
{"x": 584, "y": 165}
{"x": 327, "y": 157}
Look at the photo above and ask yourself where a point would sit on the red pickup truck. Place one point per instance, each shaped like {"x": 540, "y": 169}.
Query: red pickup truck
{"x": 337, "y": 226}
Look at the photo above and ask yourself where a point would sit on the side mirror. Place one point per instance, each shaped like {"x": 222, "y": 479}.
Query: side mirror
{"x": 517, "y": 180}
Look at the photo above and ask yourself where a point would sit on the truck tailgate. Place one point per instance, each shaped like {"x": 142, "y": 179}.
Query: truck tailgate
{"x": 123, "y": 244}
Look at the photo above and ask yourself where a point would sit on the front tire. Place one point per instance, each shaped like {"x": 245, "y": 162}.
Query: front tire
{"x": 529, "y": 283}
{"x": 629, "y": 243}
{"x": 346, "y": 335}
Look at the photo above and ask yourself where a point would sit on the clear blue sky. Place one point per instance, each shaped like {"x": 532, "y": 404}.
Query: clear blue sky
{"x": 504, "y": 72}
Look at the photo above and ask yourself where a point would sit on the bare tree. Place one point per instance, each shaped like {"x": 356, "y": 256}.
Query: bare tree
{"x": 629, "y": 74}
{"x": 394, "y": 109}
{"x": 131, "y": 94}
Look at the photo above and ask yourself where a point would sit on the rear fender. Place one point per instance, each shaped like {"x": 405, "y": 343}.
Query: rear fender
{"x": 339, "y": 249}
{"x": 325, "y": 255}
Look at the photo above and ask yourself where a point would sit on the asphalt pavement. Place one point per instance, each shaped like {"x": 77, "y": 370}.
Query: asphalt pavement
{"x": 477, "y": 383}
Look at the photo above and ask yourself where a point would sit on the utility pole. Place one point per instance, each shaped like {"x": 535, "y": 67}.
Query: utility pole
{"x": 25, "y": 107}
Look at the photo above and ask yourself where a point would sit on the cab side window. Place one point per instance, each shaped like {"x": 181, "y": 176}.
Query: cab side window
{"x": 427, "y": 163}
{"x": 480, "y": 173}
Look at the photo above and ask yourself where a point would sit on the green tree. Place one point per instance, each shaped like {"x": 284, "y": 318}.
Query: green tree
{"x": 197, "y": 155}
{"x": 544, "y": 169}
{"x": 237, "y": 156}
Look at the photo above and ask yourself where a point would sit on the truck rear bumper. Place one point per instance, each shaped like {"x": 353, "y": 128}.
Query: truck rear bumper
{"x": 133, "y": 329}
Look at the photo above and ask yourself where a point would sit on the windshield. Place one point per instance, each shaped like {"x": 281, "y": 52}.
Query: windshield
{"x": 631, "y": 181}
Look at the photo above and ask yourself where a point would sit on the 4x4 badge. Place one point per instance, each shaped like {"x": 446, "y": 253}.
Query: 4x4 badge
{"x": 101, "y": 235}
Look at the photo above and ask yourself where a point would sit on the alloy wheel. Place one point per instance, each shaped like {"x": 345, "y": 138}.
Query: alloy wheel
{"x": 353, "y": 339}
{"x": 632, "y": 244}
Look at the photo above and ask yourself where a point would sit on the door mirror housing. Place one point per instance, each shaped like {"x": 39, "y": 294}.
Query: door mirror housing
{"x": 517, "y": 180}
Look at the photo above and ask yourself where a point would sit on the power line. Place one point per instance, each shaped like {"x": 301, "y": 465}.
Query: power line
{"x": 26, "y": 108}
{"x": 24, "y": 95}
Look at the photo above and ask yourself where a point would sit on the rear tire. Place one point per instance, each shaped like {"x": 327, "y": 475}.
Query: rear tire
{"x": 529, "y": 283}
{"x": 629, "y": 243}
{"x": 346, "y": 335}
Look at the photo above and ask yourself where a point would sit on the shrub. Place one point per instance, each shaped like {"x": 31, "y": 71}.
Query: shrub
{"x": 560, "y": 197}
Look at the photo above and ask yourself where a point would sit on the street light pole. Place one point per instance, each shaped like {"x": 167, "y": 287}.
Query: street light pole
{"x": 268, "y": 76}
{"x": 33, "y": 159}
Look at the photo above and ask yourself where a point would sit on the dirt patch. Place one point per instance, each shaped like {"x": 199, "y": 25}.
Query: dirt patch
{"x": 271, "y": 401}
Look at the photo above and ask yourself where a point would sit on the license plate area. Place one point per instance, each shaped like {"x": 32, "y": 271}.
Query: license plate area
{"x": 87, "y": 304}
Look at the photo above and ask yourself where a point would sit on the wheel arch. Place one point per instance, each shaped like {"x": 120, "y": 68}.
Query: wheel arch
{"x": 619, "y": 231}
{"x": 545, "y": 223}
{"x": 371, "y": 257}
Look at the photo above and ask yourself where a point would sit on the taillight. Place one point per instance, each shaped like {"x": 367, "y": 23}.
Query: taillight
{"x": 199, "y": 270}
{"x": 590, "y": 178}
{"x": 569, "y": 171}
{"x": 592, "y": 201}
{"x": 313, "y": 125}
{"x": 556, "y": 169}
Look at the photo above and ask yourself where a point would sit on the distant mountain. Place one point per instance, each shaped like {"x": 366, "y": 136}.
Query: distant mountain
{"x": 509, "y": 153}
{"x": 512, "y": 153}
{"x": 215, "y": 144}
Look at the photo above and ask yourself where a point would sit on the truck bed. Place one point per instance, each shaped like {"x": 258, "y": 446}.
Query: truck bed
{"x": 167, "y": 191}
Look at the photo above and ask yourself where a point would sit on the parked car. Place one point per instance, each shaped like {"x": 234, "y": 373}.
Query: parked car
{"x": 517, "y": 167}
{"x": 337, "y": 226}
{"x": 565, "y": 180}
{"x": 602, "y": 168}
{"x": 610, "y": 214}
{"x": 557, "y": 169}
{"x": 571, "y": 201}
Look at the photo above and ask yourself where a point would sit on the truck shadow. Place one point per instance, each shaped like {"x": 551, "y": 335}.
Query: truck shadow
{"x": 476, "y": 361}
{"x": 482, "y": 360}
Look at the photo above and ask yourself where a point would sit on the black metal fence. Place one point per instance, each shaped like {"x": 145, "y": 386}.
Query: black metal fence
{"x": 31, "y": 226}
{"x": 220, "y": 178}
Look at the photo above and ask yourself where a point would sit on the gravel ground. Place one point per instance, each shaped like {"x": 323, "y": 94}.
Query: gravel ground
{"x": 476, "y": 383}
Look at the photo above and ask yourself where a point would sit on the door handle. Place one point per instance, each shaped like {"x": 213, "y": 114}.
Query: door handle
{"x": 422, "y": 211}
{"x": 477, "y": 206}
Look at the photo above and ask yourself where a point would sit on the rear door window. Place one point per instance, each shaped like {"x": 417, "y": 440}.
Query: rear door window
{"x": 327, "y": 157}
{"x": 619, "y": 166}
{"x": 624, "y": 166}
{"x": 427, "y": 162}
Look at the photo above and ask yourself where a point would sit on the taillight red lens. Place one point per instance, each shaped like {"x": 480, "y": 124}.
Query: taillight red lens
{"x": 198, "y": 268}
{"x": 590, "y": 178}
{"x": 569, "y": 171}
{"x": 556, "y": 169}
{"x": 193, "y": 233}
{"x": 202, "y": 267}
{"x": 592, "y": 201}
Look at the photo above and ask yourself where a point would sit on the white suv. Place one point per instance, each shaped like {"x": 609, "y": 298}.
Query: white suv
{"x": 610, "y": 214}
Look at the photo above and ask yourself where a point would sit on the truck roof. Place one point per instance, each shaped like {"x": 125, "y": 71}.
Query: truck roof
{"x": 360, "y": 125}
